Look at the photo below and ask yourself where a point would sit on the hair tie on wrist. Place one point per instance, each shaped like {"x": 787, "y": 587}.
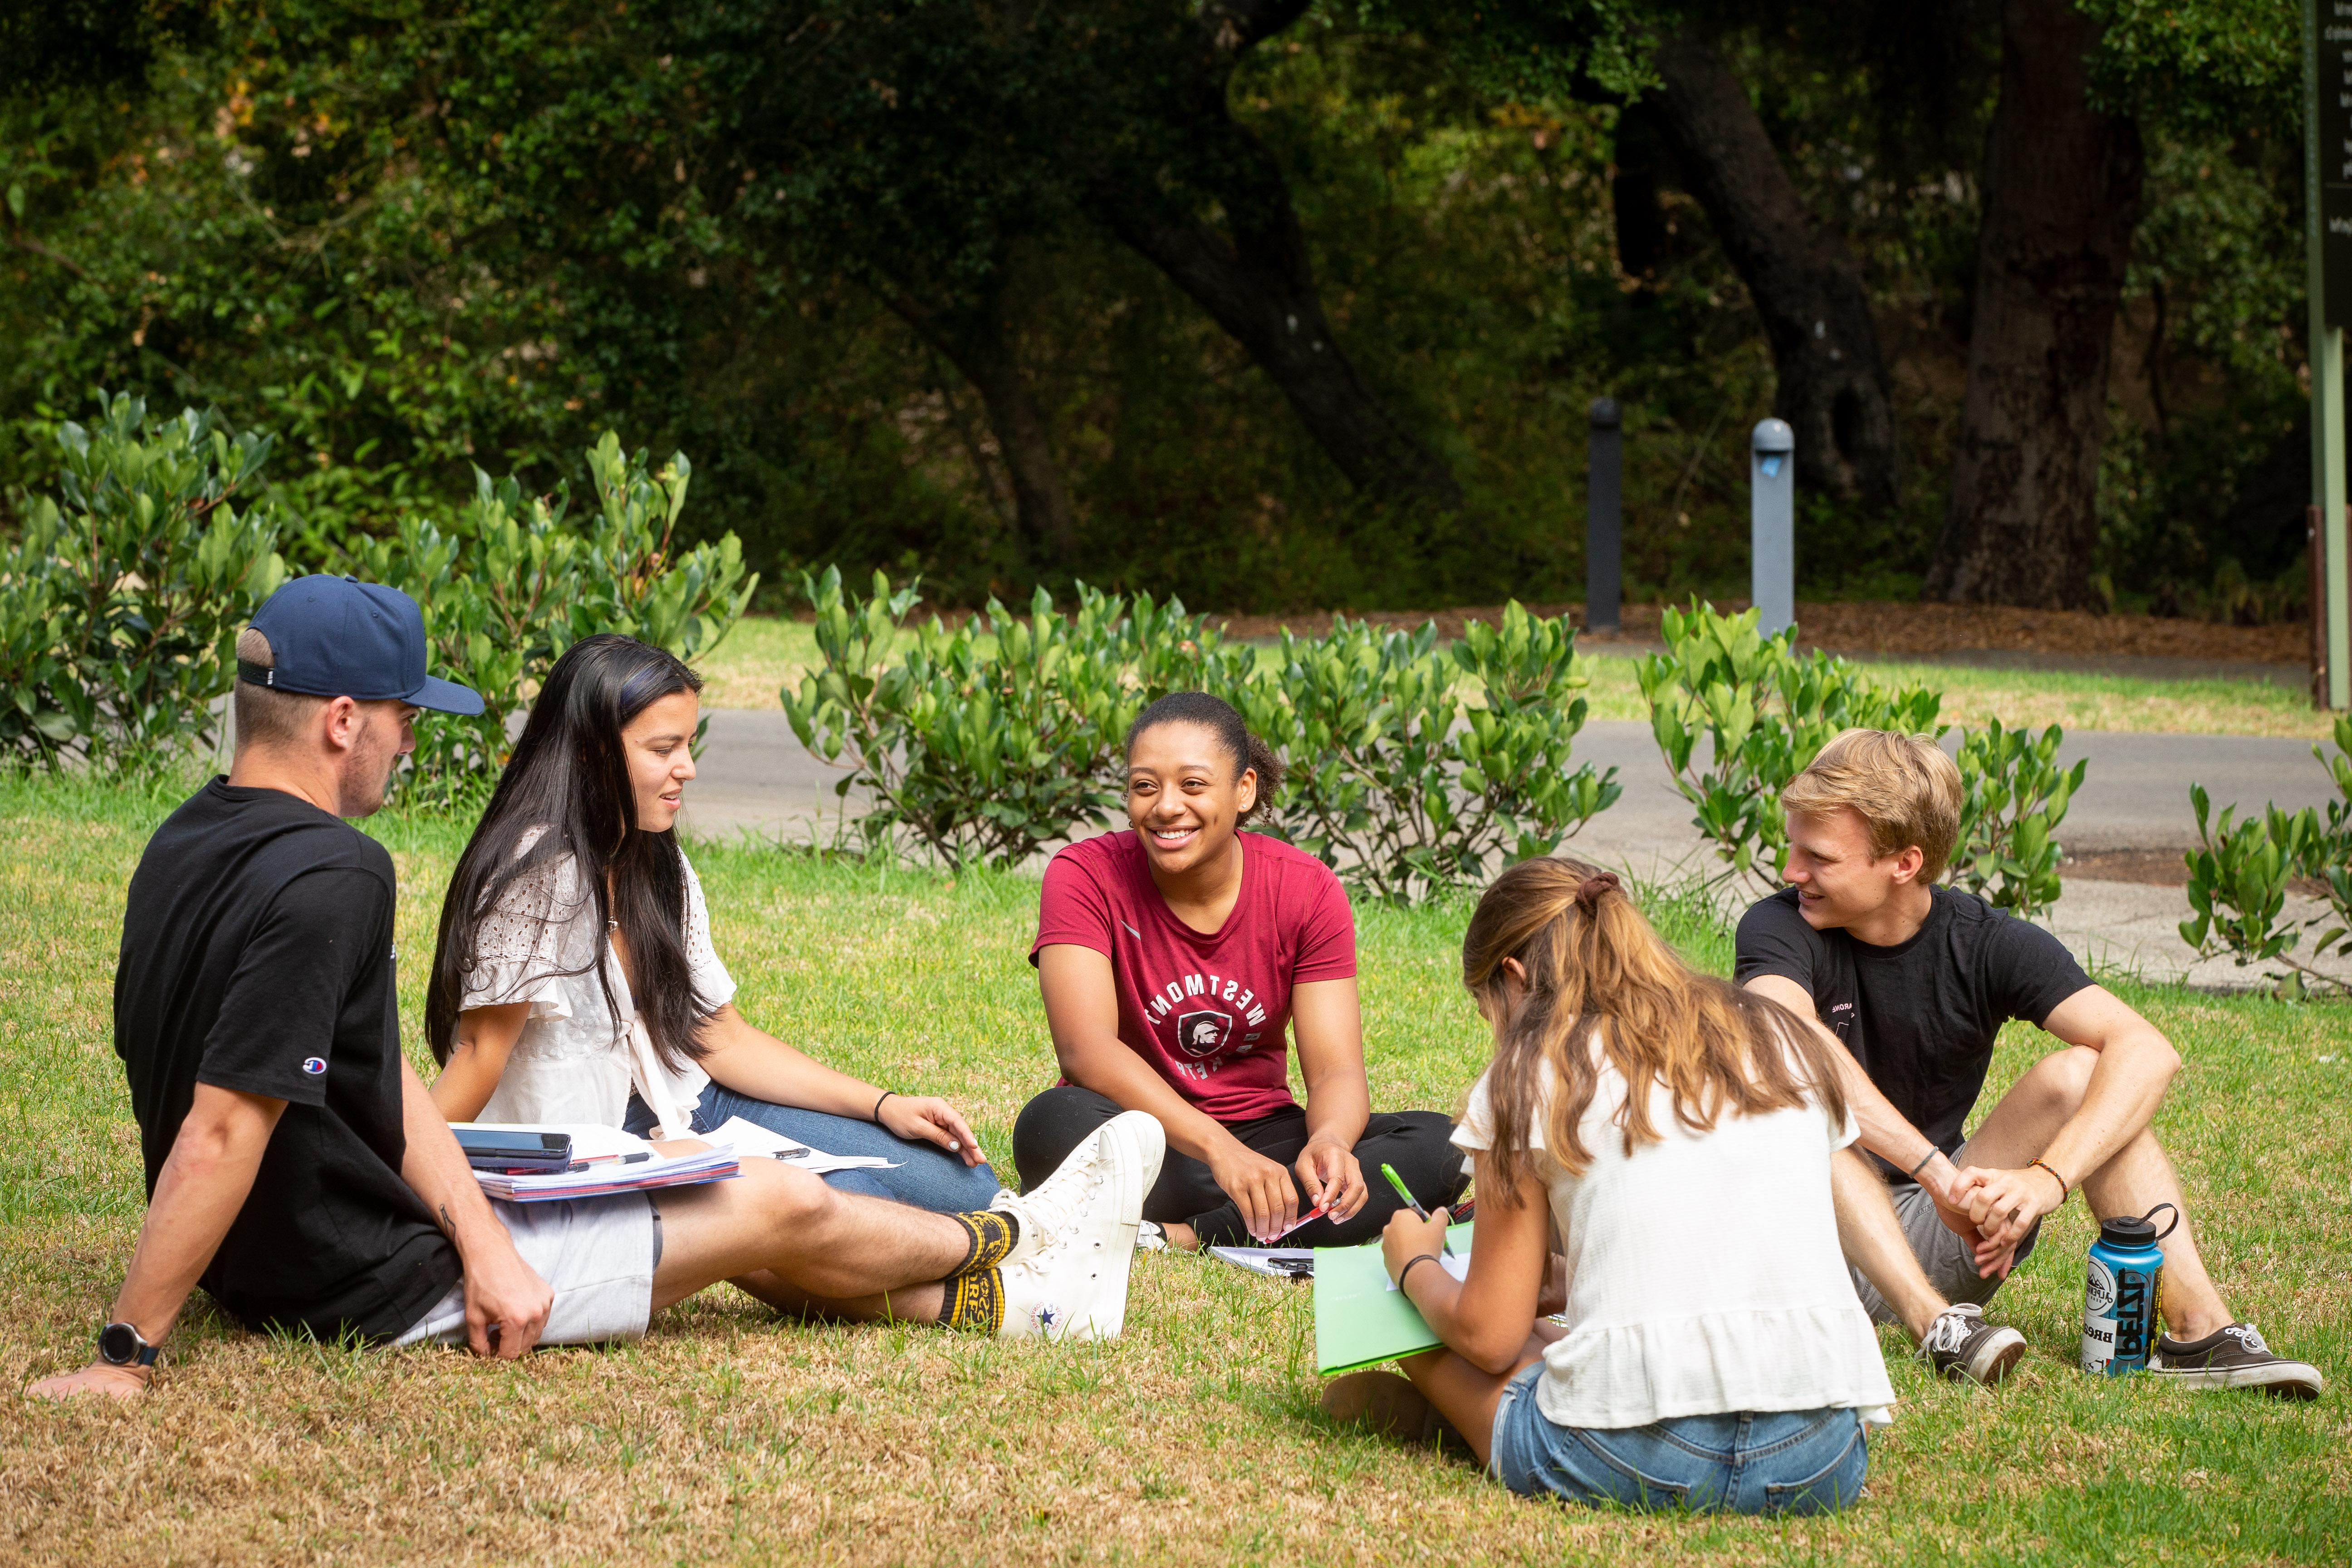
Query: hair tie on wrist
{"x": 877, "y": 1117}
{"x": 1418, "y": 1257}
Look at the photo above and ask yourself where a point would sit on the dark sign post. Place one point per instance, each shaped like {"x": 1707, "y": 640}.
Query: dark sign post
{"x": 2327, "y": 261}
{"x": 1604, "y": 517}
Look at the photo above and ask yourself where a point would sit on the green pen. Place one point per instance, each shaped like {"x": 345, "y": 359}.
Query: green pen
{"x": 1406, "y": 1194}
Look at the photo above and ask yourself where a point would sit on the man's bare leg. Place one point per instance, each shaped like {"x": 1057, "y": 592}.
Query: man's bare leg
{"x": 797, "y": 1243}
{"x": 2134, "y": 1181}
{"x": 1872, "y": 1239}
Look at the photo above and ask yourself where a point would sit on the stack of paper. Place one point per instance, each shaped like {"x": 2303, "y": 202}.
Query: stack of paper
{"x": 1282, "y": 1262}
{"x": 1362, "y": 1320}
{"x": 616, "y": 1162}
{"x": 605, "y": 1177}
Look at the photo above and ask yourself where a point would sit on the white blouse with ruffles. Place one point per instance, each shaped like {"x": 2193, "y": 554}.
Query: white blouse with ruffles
{"x": 575, "y": 1061}
{"x": 1704, "y": 1271}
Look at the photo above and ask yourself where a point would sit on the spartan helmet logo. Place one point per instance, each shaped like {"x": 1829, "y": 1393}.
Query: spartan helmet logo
{"x": 1203, "y": 1034}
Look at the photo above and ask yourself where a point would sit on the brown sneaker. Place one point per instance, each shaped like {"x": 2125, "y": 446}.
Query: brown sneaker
{"x": 1962, "y": 1346}
{"x": 2234, "y": 1357}
{"x": 1390, "y": 1405}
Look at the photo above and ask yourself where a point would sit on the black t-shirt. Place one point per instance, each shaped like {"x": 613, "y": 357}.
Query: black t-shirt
{"x": 256, "y": 956}
{"x": 1921, "y": 1015}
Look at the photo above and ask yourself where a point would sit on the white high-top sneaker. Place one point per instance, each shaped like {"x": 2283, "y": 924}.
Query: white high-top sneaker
{"x": 1067, "y": 1277}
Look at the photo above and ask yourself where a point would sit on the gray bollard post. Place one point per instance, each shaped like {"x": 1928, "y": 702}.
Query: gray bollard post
{"x": 1772, "y": 524}
{"x": 1604, "y": 519}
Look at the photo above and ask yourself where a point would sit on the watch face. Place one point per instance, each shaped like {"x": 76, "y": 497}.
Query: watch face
{"x": 117, "y": 1344}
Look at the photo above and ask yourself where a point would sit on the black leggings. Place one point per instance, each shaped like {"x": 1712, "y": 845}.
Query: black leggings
{"x": 1414, "y": 1142}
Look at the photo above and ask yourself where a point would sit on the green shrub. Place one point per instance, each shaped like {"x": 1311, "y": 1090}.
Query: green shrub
{"x": 514, "y": 586}
{"x": 1763, "y": 711}
{"x": 2242, "y": 869}
{"x": 1412, "y": 770}
{"x": 1409, "y": 770}
{"x": 120, "y": 608}
{"x": 990, "y": 740}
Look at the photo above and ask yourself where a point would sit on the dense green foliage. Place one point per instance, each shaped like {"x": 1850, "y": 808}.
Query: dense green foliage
{"x": 407, "y": 239}
{"x": 119, "y": 609}
{"x": 1410, "y": 769}
{"x": 1738, "y": 715}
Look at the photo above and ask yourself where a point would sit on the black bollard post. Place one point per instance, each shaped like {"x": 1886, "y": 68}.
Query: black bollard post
{"x": 1604, "y": 529}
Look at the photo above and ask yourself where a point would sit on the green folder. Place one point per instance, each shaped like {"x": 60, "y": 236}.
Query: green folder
{"x": 1359, "y": 1320}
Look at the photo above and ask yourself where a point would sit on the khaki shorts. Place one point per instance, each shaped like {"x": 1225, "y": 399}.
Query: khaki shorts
{"x": 1948, "y": 1261}
{"x": 596, "y": 1254}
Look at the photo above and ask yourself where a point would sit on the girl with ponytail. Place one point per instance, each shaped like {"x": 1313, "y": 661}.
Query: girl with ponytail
{"x": 1173, "y": 957}
{"x": 1672, "y": 1136}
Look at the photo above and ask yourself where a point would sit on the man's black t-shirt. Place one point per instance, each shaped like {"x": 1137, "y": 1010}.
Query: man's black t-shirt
{"x": 1920, "y": 1016}
{"x": 256, "y": 956}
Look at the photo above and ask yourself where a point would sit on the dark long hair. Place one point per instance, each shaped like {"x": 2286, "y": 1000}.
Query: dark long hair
{"x": 570, "y": 778}
{"x": 1222, "y": 720}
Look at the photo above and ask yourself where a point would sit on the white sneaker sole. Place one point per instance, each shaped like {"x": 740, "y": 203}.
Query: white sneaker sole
{"x": 2283, "y": 1379}
{"x": 1134, "y": 1144}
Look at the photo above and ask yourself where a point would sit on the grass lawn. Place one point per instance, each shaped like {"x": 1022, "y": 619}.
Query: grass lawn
{"x": 763, "y": 653}
{"x": 726, "y": 1436}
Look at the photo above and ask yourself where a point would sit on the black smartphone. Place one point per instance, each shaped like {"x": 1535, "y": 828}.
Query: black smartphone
{"x": 491, "y": 1149}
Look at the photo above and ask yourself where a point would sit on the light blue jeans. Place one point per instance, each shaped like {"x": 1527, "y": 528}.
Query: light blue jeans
{"x": 928, "y": 1176}
{"x": 1779, "y": 1461}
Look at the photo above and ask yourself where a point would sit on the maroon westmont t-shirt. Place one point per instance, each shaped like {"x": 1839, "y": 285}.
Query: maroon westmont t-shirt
{"x": 1208, "y": 1012}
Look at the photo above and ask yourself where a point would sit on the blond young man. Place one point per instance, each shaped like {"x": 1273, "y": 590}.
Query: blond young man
{"x": 1915, "y": 980}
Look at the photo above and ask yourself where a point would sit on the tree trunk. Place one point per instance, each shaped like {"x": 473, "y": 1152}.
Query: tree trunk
{"x": 1833, "y": 389}
{"x": 2062, "y": 197}
{"x": 974, "y": 340}
{"x": 1253, "y": 275}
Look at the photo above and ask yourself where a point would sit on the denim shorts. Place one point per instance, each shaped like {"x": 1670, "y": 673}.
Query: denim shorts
{"x": 1779, "y": 1461}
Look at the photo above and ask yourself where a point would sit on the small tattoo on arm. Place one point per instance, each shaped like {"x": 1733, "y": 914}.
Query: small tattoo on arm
{"x": 448, "y": 1226}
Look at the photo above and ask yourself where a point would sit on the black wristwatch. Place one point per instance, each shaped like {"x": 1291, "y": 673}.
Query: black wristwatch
{"x": 119, "y": 1344}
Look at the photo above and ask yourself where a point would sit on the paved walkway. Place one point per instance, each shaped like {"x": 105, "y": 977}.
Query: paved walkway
{"x": 756, "y": 778}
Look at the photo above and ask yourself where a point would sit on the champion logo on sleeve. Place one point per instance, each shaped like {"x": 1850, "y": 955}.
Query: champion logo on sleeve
{"x": 314, "y": 1066}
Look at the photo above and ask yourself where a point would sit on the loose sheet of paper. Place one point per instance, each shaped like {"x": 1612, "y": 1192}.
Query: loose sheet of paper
{"x": 750, "y": 1137}
{"x": 1457, "y": 1264}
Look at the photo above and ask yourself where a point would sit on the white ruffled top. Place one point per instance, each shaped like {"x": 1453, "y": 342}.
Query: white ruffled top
{"x": 1704, "y": 1271}
{"x": 575, "y": 1061}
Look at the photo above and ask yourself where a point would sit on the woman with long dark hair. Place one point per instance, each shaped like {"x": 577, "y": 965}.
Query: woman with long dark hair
{"x": 1672, "y": 1136}
{"x": 1173, "y": 959}
{"x": 575, "y": 981}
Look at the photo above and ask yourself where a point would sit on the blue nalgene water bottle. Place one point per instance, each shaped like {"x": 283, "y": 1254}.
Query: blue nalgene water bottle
{"x": 2123, "y": 1294}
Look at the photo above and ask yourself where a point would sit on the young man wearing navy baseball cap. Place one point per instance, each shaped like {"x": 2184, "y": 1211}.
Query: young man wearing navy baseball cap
{"x": 296, "y": 1167}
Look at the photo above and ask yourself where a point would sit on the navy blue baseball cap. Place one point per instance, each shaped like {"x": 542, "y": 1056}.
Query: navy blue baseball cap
{"x": 337, "y": 636}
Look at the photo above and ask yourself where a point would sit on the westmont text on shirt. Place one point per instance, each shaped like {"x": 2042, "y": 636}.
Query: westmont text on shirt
{"x": 1204, "y": 1033}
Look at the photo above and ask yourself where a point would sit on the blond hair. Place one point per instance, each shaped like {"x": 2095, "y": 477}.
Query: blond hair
{"x": 1902, "y": 786}
{"x": 1591, "y": 959}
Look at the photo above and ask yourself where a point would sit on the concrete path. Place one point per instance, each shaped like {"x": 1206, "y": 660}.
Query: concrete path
{"x": 757, "y": 779}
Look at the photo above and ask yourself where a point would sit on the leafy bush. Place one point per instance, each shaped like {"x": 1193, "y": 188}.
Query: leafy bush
{"x": 989, "y": 740}
{"x": 1411, "y": 770}
{"x": 1763, "y": 712}
{"x": 513, "y": 587}
{"x": 2242, "y": 869}
{"x": 1408, "y": 769}
{"x": 119, "y": 609}
{"x": 2013, "y": 795}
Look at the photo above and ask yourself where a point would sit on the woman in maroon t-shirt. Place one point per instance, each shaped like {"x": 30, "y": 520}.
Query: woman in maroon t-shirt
{"x": 1171, "y": 958}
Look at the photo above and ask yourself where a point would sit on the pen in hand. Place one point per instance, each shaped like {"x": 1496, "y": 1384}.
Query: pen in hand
{"x": 1406, "y": 1194}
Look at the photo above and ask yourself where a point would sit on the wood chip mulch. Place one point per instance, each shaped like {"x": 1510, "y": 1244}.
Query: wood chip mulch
{"x": 1882, "y": 627}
